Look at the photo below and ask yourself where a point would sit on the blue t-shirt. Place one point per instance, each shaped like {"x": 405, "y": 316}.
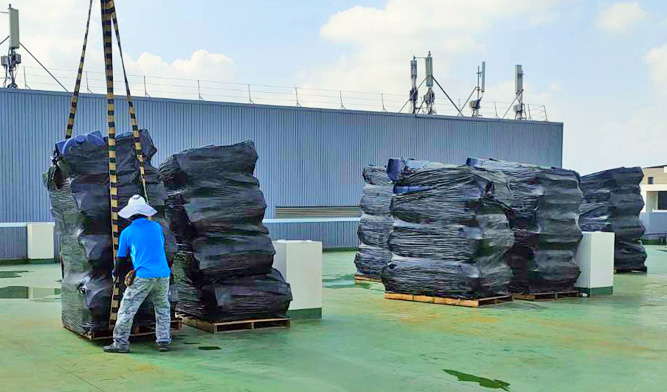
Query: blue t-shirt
{"x": 145, "y": 242}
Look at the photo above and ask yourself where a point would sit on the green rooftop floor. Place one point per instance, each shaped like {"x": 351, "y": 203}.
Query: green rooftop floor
{"x": 363, "y": 343}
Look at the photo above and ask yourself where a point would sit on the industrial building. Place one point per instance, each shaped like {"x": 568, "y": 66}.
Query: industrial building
{"x": 310, "y": 160}
{"x": 274, "y": 251}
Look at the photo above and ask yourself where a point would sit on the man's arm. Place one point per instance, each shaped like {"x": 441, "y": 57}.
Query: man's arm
{"x": 122, "y": 263}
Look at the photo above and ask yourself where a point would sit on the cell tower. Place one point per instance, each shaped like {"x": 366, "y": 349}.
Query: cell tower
{"x": 476, "y": 104}
{"x": 414, "y": 91}
{"x": 13, "y": 59}
{"x": 429, "y": 97}
{"x": 519, "y": 108}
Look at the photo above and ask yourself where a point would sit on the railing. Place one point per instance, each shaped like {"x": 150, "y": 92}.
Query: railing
{"x": 219, "y": 91}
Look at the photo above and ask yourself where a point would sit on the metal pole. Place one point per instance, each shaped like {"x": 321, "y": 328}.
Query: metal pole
{"x": 528, "y": 107}
{"x": 25, "y": 80}
{"x": 296, "y": 93}
{"x": 199, "y": 91}
{"x": 249, "y": 96}
{"x": 382, "y": 97}
{"x": 88, "y": 88}
{"x": 546, "y": 118}
{"x": 342, "y": 107}
{"x": 447, "y": 95}
{"x": 145, "y": 91}
{"x": 42, "y": 65}
{"x": 508, "y": 109}
{"x": 495, "y": 107}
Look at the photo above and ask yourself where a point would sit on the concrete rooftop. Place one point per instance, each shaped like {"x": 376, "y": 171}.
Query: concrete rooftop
{"x": 363, "y": 343}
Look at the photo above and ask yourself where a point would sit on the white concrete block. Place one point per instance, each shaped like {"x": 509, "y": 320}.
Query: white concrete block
{"x": 595, "y": 257}
{"x": 300, "y": 263}
{"x": 40, "y": 240}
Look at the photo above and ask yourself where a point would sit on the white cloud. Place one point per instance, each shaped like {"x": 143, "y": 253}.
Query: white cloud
{"x": 657, "y": 62}
{"x": 383, "y": 40}
{"x": 621, "y": 17}
{"x": 55, "y": 38}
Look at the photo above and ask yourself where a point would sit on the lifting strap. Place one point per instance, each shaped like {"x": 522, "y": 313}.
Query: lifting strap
{"x": 108, "y": 12}
{"x": 75, "y": 95}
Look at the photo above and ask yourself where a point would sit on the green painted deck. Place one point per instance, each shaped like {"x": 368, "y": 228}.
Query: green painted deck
{"x": 363, "y": 343}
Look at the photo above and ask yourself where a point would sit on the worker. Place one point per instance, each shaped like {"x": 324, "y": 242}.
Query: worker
{"x": 143, "y": 240}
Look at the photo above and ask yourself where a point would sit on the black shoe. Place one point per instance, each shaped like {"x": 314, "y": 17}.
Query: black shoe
{"x": 163, "y": 347}
{"x": 113, "y": 349}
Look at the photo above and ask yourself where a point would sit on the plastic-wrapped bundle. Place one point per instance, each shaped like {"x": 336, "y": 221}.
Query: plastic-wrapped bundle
{"x": 544, "y": 217}
{"x": 612, "y": 203}
{"x": 254, "y": 296}
{"x": 78, "y": 184}
{"x": 215, "y": 208}
{"x": 375, "y": 224}
{"x": 450, "y": 232}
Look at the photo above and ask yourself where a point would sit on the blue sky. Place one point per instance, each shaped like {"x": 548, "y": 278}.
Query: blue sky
{"x": 597, "y": 66}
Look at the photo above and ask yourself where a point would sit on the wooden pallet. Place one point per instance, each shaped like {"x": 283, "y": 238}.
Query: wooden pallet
{"x": 233, "y": 326}
{"x": 469, "y": 303}
{"x": 626, "y": 271}
{"x": 176, "y": 325}
{"x": 363, "y": 279}
{"x": 545, "y": 296}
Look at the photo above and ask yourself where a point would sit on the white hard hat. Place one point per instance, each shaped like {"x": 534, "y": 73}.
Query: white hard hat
{"x": 137, "y": 205}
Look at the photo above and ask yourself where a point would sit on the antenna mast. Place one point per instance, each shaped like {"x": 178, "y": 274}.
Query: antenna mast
{"x": 13, "y": 59}
{"x": 414, "y": 91}
{"x": 429, "y": 97}
{"x": 519, "y": 108}
{"x": 476, "y": 104}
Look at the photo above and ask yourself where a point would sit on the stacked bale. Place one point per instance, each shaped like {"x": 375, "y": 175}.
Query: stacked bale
{"x": 78, "y": 185}
{"x": 375, "y": 224}
{"x": 215, "y": 208}
{"x": 544, "y": 218}
{"x": 450, "y": 232}
{"x": 612, "y": 203}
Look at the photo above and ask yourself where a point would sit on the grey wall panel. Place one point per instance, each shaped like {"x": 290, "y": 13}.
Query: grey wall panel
{"x": 13, "y": 243}
{"x": 307, "y": 157}
{"x": 331, "y": 234}
{"x": 656, "y": 224}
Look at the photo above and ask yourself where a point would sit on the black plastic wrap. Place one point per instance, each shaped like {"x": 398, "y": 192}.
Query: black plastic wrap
{"x": 78, "y": 185}
{"x": 375, "y": 224}
{"x": 612, "y": 203}
{"x": 450, "y": 232}
{"x": 253, "y": 296}
{"x": 544, "y": 218}
{"x": 215, "y": 208}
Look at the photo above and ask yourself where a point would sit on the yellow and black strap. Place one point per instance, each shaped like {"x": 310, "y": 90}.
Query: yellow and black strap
{"x": 111, "y": 125}
{"x": 74, "y": 101}
{"x": 133, "y": 116}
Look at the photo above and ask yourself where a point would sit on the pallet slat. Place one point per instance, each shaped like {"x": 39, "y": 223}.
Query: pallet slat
{"x": 469, "y": 303}
{"x": 361, "y": 278}
{"x": 545, "y": 296}
{"x": 136, "y": 331}
{"x": 176, "y": 325}
{"x": 239, "y": 325}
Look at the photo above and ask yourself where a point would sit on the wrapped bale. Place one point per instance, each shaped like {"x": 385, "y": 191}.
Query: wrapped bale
{"x": 450, "y": 232}
{"x": 78, "y": 185}
{"x": 215, "y": 208}
{"x": 612, "y": 203}
{"x": 254, "y": 296}
{"x": 544, "y": 217}
{"x": 375, "y": 224}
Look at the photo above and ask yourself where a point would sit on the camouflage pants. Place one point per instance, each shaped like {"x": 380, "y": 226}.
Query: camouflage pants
{"x": 157, "y": 290}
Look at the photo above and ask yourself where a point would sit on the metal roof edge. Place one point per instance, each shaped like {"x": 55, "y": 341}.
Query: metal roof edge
{"x": 295, "y": 108}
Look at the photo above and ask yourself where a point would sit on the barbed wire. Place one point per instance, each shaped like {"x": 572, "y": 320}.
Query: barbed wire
{"x": 228, "y": 91}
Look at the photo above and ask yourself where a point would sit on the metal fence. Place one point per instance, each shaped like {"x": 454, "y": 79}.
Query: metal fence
{"x": 219, "y": 91}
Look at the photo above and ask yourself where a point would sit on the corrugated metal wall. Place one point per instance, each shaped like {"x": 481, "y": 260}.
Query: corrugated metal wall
{"x": 308, "y": 157}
